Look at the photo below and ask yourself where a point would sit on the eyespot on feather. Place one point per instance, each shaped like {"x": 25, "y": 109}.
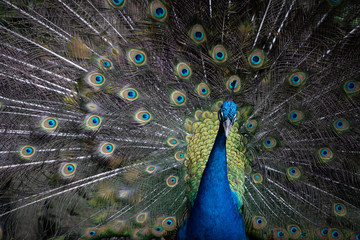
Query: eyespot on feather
{"x": 142, "y": 116}
{"x": 49, "y": 124}
{"x": 259, "y": 222}
{"x": 158, "y": 11}
{"x": 27, "y": 151}
{"x": 95, "y": 79}
{"x": 295, "y": 116}
{"x": 251, "y": 125}
{"x": 179, "y": 156}
{"x": 233, "y": 84}
{"x": 67, "y": 170}
{"x": 107, "y": 148}
{"x": 129, "y": 94}
{"x": 172, "y": 181}
{"x": 141, "y": 217}
{"x": 256, "y": 58}
{"x": 117, "y": 3}
{"x": 269, "y": 143}
{"x": 325, "y": 154}
{"x": 105, "y": 63}
{"x": 341, "y": 125}
{"x": 203, "y": 90}
{"x": 339, "y": 209}
{"x": 293, "y": 173}
{"x": 257, "y": 178}
{"x": 219, "y": 54}
{"x": 93, "y": 122}
{"x": 351, "y": 87}
{"x": 183, "y": 70}
{"x": 178, "y": 98}
{"x": 137, "y": 57}
{"x": 297, "y": 79}
{"x": 197, "y": 34}
{"x": 294, "y": 231}
{"x": 169, "y": 223}
{"x": 172, "y": 142}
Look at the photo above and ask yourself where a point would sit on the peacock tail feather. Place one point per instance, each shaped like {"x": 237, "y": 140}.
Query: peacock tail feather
{"x": 109, "y": 111}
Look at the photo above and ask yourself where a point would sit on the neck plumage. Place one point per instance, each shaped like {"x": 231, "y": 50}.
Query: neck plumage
{"x": 214, "y": 214}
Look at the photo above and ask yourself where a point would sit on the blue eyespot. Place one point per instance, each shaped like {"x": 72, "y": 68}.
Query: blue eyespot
{"x": 95, "y": 120}
{"x": 181, "y": 155}
{"x": 131, "y": 94}
{"x": 280, "y": 234}
{"x": 233, "y": 85}
{"x": 198, "y": 35}
{"x": 203, "y": 90}
{"x": 335, "y": 234}
{"x": 255, "y": 60}
{"x": 250, "y": 154}
{"x": 169, "y": 222}
{"x": 185, "y": 72}
{"x": 293, "y": 229}
{"x": 339, "y": 207}
{"x": 293, "y": 115}
{"x": 51, "y": 123}
{"x": 92, "y": 233}
{"x": 159, "y": 229}
{"x": 159, "y": 12}
{"x": 295, "y": 79}
{"x": 180, "y": 99}
{"x": 259, "y": 221}
{"x": 339, "y": 123}
{"x": 106, "y": 63}
{"x": 220, "y": 55}
{"x": 28, "y": 150}
{"x": 109, "y": 147}
{"x": 173, "y": 180}
{"x": 139, "y": 58}
{"x": 357, "y": 236}
{"x": 117, "y": 2}
{"x": 174, "y": 141}
{"x": 99, "y": 78}
{"x": 268, "y": 142}
{"x": 292, "y": 171}
{"x": 324, "y": 152}
{"x": 324, "y": 231}
{"x": 70, "y": 168}
{"x": 145, "y": 116}
{"x": 250, "y": 125}
{"x": 256, "y": 177}
{"x": 350, "y": 86}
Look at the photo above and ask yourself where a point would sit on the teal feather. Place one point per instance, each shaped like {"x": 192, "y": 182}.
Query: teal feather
{"x": 109, "y": 112}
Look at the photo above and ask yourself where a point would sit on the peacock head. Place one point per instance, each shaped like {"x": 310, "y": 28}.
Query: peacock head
{"x": 227, "y": 115}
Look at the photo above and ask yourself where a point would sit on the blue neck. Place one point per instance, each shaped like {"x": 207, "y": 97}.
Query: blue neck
{"x": 214, "y": 214}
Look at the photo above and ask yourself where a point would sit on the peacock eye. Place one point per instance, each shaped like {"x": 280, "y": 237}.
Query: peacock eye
{"x": 203, "y": 90}
{"x": 219, "y": 54}
{"x": 297, "y": 79}
{"x": 351, "y": 87}
{"x": 105, "y": 63}
{"x": 67, "y": 170}
{"x": 142, "y": 116}
{"x": 96, "y": 79}
{"x": 49, "y": 124}
{"x": 256, "y": 59}
{"x": 116, "y": 3}
{"x": 178, "y": 98}
{"x": 137, "y": 57}
{"x": 197, "y": 34}
{"x": 158, "y": 11}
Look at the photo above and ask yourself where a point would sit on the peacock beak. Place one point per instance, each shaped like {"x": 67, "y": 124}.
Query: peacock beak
{"x": 227, "y": 124}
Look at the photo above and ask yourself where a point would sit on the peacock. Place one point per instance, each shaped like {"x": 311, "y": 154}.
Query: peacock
{"x": 169, "y": 119}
